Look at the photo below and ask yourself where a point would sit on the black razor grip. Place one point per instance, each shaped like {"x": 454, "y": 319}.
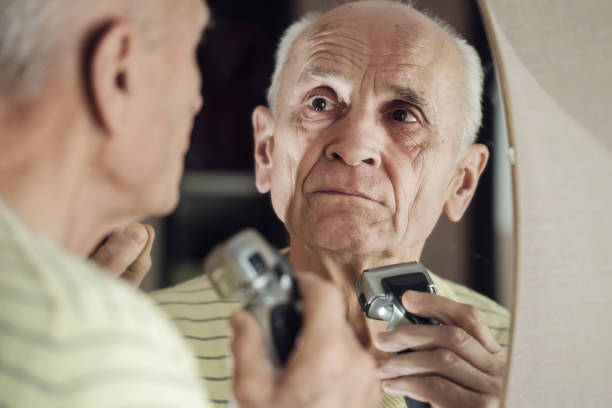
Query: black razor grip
{"x": 285, "y": 322}
{"x": 397, "y": 285}
{"x": 410, "y": 403}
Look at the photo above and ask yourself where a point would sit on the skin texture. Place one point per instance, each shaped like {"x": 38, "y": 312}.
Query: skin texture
{"x": 361, "y": 156}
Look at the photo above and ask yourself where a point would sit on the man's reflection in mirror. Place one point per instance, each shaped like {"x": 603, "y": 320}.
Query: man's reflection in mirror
{"x": 368, "y": 137}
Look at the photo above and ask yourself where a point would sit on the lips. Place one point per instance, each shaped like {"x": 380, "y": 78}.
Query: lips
{"x": 346, "y": 192}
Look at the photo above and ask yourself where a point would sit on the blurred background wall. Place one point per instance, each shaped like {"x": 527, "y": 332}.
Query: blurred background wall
{"x": 218, "y": 193}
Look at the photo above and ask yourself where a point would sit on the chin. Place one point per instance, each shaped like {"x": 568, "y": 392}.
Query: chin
{"x": 164, "y": 203}
{"x": 343, "y": 234}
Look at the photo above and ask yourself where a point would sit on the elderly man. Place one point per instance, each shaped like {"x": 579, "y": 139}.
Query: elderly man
{"x": 368, "y": 138}
{"x": 97, "y": 100}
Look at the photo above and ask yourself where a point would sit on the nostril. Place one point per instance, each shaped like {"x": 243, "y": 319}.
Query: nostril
{"x": 369, "y": 161}
{"x": 336, "y": 156}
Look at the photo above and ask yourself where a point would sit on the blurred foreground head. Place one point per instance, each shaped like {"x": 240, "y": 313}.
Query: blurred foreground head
{"x": 97, "y": 100}
{"x": 369, "y": 133}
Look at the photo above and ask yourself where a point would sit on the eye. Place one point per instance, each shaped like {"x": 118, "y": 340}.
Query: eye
{"x": 321, "y": 104}
{"x": 402, "y": 115}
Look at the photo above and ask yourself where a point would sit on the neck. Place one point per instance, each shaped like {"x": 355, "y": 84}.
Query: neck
{"x": 46, "y": 180}
{"x": 343, "y": 270}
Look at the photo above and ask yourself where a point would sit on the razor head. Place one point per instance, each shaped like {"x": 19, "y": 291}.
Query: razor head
{"x": 245, "y": 266}
{"x": 380, "y": 290}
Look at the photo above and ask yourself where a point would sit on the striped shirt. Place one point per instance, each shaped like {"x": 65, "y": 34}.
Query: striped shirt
{"x": 203, "y": 319}
{"x": 72, "y": 337}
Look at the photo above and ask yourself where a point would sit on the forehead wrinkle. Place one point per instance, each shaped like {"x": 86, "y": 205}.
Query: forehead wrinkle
{"x": 400, "y": 83}
{"x": 337, "y": 32}
{"x": 336, "y": 59}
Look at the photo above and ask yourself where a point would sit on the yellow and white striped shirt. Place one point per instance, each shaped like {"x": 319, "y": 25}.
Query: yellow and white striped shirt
{"x": 203, "y": 319}
{"x": 72, "y": 337}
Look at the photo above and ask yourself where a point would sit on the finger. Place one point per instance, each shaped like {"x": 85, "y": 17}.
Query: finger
{"x": 439, "y": 392}
{"x": 253, "y": 379}
{"x": 425, "y": 337}
{"x": 449, "y": 312}
{"x": 441, "y": 362}
{"x": 137, "y": 271}
{"x": 121, "y": 249}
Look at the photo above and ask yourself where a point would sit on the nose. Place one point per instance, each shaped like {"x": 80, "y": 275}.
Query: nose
{"x": 354, "y": 148}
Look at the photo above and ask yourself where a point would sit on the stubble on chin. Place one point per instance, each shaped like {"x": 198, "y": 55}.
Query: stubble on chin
{"x": 339, "y": 231}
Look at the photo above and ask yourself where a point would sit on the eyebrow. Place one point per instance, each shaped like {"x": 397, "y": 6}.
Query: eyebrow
{"x": 409, "y": 95}
{"x": 319, "y": 72}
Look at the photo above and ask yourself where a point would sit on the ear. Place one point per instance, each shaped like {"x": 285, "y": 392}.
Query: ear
{"x": 464, "y": 183}
{"x": 263, "y": 132}
{"x": 108, "y": 74}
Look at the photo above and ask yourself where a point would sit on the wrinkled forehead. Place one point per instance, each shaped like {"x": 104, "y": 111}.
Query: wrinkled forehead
{"x": 395, "y": 43}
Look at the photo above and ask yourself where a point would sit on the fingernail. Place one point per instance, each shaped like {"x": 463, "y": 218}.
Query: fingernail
{"x": 136, "y": 233}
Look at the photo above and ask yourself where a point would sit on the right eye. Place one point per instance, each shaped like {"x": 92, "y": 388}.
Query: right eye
{"x": 321, "y": 104}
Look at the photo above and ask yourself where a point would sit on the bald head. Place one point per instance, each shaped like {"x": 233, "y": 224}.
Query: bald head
{"x": 398, "y": 19}
{"x": 37, "y": 36}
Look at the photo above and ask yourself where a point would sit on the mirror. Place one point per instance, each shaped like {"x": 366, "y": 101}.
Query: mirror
{"x": 219, "y": 196}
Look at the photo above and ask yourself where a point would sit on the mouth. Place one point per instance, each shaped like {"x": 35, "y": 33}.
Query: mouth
{"x": 347, "y": 193}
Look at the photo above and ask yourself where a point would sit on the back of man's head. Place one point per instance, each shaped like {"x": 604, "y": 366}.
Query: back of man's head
{"x": 97, "y": 100}
{"x": 37, "y": 37}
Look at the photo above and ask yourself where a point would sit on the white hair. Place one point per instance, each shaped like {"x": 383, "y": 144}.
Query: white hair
{"x": 473, "y": 82}
{"x": 28, "y": 36}
{"x": 34, "y": 34}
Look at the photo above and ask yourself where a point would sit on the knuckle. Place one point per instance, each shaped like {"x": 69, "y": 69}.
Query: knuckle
{"x": 498, "y": 364}
{"x": 496, "y": 386}
{"x": 447, "y": 358}
{"x": 457, "y": 337}
{"x": 438, "y": 385}
{"x": 473, "y": 317}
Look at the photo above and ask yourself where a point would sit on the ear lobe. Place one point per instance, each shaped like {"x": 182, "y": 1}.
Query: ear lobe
{"x": 108, "y": 73}
{"x": 463, "y": 186}
{"x": 263, "y": 133}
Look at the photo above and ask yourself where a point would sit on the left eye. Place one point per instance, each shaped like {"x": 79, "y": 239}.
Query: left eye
{"x": 321, "y": 104}
{"x": 402, "y": 115}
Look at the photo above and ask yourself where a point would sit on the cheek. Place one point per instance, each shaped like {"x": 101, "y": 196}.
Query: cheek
{"x": 293, "y": 158}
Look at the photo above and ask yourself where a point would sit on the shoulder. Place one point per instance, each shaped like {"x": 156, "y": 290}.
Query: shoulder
{"x": 71, "y": 336}
{"x": 497, "y": 317}
{"x": 202, "y": 318}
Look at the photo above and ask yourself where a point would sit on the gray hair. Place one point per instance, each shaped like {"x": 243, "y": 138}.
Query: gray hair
{"x": 34, "y": 35}
{"x": 473, "y": 83}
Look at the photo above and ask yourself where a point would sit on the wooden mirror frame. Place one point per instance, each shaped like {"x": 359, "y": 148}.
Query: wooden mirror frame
{"x": 554, "y": 64}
